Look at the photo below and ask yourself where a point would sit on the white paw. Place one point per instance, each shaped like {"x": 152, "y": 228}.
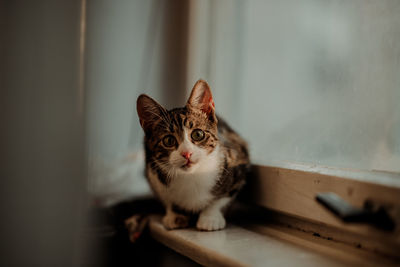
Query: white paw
{"x": 211, "y": 222}
{"x": 174, "y": 221}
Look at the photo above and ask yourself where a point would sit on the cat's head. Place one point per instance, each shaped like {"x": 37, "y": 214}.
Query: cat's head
{"x": 181, "y": 139}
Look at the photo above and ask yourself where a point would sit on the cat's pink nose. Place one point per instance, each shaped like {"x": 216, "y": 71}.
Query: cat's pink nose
{"x": 186, "y": 155}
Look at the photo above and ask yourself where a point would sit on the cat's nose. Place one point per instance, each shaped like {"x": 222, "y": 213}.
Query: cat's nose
{"x": 186, "y": 154}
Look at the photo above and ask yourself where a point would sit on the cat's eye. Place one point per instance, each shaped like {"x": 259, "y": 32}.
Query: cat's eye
{"x": 198, "y": 135}
{"x": 169, "y": 141}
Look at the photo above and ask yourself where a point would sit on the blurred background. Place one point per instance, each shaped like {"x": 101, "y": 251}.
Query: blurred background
{"x": 312, "y": 82}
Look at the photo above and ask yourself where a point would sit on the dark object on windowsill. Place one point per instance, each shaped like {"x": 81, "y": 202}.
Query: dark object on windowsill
{"x": 377, "y": 217}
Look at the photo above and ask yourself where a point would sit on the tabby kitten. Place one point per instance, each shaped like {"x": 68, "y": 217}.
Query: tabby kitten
{"x": 195, "y": 163}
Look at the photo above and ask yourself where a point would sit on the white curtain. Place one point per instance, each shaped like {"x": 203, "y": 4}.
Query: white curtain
{"x": 132, "y": 47}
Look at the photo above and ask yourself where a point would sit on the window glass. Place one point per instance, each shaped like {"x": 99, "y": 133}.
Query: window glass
{"x": 311, "y": 81}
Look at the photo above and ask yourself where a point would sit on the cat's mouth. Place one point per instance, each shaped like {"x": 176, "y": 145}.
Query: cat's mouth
{"x": 188, "y": 164}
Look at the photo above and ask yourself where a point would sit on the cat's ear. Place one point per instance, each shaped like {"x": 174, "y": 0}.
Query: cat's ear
{"x": 148, "y": 110}
{"x": 201, "y": 98}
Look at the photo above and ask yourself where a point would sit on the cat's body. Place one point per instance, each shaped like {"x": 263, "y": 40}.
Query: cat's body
{"x": 195, "y": 163}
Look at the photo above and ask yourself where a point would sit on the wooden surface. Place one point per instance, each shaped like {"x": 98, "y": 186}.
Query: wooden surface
{"x": 295, "y": 230}
{"x": 292, "y": 191}
{"x": 236, "y": 246}
{"x": 351, "y": 248}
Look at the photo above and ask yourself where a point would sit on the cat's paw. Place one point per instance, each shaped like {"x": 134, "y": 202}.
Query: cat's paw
{"x": 175, "y": 221}
{"x": 212, "y": 222}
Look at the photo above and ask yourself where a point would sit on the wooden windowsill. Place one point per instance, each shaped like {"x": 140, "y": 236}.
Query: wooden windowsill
{"x": 282, "y": 223}
{"x": 292, "y": 190}
{"x": 250, "y": 245}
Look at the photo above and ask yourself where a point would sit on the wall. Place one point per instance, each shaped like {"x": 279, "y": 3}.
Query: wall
{"x": 42, "y": 145}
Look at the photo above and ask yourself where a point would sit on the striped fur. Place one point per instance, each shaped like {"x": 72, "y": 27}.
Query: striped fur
{"x": 190, "y": 176}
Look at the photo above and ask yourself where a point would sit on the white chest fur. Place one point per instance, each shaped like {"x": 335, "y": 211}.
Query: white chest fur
{"x": 191, "y": 191}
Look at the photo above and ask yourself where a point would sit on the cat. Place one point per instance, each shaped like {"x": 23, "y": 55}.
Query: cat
{"x": 195, "y": 163}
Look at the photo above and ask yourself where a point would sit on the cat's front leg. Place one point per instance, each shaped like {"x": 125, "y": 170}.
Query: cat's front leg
{"x": 173, "y": 220}
{"x": 212, "y": 218}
